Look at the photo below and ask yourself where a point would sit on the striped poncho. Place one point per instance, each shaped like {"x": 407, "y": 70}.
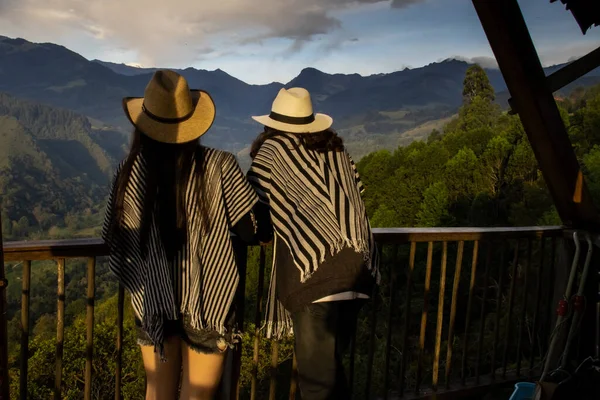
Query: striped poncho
{"x": 201, "y": 282}
{"x": 316, "y": 209}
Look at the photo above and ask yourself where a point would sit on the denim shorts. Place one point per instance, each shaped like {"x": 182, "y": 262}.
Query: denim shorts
{"x": 203, "y": 341}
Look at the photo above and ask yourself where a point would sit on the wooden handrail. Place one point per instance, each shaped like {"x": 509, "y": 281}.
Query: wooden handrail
{"x": 54, "y": 249}
{"x": 79, "y": 248}
{"x": 407, "y": 235}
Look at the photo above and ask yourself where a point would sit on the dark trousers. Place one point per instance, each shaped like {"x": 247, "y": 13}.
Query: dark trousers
{"x": 323, "y": 332}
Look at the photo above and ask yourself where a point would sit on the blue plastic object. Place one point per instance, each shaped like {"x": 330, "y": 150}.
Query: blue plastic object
{"x": 523, "y": 391}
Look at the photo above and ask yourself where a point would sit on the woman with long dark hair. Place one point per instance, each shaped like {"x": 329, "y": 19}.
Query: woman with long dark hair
{"x": 325, "y": 261}
{"x": 172, "y": 208}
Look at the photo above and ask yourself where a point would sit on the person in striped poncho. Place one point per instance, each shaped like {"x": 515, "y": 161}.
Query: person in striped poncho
{"x": 325, "y": 261}
{"x": 168, "y": 226}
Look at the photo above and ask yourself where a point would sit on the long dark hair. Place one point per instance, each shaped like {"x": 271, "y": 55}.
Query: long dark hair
{"x": 168, "y": 168}
{"x": 322, "y": 142}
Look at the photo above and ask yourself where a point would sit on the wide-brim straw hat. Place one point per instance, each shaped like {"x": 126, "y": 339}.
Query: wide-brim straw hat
{"x": 170, "y": 112}
{"x": 292, "y": 111}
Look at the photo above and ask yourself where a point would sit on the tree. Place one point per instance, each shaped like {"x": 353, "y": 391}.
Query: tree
{"x": 434, "y": 208}
{"x": 495, "y": 159}
{"x": 434, "y": 136}
{"x": 6, "y": 225}
{"x": 21, "y": 227}
{"x": 463, "y": 175}
{"x": 591, "y": 162}
{"x": 477, "y": 84}
{"x": 384, "y": 217}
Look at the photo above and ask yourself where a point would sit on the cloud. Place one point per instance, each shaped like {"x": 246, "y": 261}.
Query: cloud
{"x": 550, "y": 56}
{"x": 176, "y": 31}
{"x": 483, "y": 61}
{"x": 404, "y": 3}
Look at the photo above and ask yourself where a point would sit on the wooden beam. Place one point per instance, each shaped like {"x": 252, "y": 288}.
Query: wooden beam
{"x": 519, "y": 63}
{"x": 573, "y": 71}
{"x": 568, "y": 74}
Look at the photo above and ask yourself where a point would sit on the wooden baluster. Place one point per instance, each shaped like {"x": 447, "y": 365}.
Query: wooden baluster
{"x": 483, "y": 306}
{"x": 407, "y": 300}
{"x": 498, "y": 308}
{"x": 89, "y": 321}
{"x": 25, "y": 296}
{"x": 523, "y": 319}
{"x": 463, "y": 373}
{"x": 538, "y": 300}
{"x": 511, "y": 301}
{"x": 455, "y": 286}
{"x": 424, "y": 317}
{"x": 60, "y": 329}
{"x": 388, "y": 342}
{"x": 440, "y": 317}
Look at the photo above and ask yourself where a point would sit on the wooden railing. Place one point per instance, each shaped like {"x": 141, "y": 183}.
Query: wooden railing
{"x": 493, "y": 324}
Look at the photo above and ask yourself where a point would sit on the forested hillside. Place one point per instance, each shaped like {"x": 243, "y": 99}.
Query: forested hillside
{"x": 54, "y": 169}
{"x": 480, "y": 170}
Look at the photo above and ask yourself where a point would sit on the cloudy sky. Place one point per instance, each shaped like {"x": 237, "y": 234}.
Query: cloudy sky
{"x": 261, "y": 41}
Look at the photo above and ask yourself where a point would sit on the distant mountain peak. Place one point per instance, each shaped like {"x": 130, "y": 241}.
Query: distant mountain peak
{"x": 453, "y": 60}
{"x": 134, "y": 65}
{"x": 311, "y": 71}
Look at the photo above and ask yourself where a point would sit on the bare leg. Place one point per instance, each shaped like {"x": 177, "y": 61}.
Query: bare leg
{"x": 201, "y": 374}
{"x": 162, "y": 378}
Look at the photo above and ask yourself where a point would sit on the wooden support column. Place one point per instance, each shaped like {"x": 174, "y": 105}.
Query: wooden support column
{"x": 4, "y": 384}
{"x": 519, "y": 63}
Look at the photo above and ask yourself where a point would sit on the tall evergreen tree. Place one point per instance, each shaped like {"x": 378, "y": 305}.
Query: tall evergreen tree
{"x": 477, "y": 84}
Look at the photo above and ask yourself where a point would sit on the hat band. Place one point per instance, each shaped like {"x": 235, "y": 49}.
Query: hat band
{"x": 167, "y": 120}
{"x": 292, "y": 120}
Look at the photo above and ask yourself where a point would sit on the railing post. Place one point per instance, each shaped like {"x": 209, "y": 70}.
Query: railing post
{"x": 4, "y": 384}
{"x": 406, "y": 322}
{"x": 26, "y": 286}
{"x": 60, "y": 328}
{"x": 89, "y": 350}
{"x": 455, "y": 286}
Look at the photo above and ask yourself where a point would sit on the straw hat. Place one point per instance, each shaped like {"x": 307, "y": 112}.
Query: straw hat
{"x": 170, "y": 112}
{"x": 292, "y": 112}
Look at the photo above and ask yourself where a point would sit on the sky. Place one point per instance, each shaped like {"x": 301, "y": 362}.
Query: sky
{"x": 261, "y": 41}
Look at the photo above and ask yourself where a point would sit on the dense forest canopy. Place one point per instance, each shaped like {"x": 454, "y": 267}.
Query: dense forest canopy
{"x": 481, "y": 171}
{"x": 54, "y": 169}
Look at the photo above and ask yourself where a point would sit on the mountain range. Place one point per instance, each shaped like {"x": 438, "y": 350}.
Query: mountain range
{"x": 378, "y": 108}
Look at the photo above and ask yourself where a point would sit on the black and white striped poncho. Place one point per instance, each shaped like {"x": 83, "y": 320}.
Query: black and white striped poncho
{"x": 202, "y": 281}
{"x": 316, "y": 209}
